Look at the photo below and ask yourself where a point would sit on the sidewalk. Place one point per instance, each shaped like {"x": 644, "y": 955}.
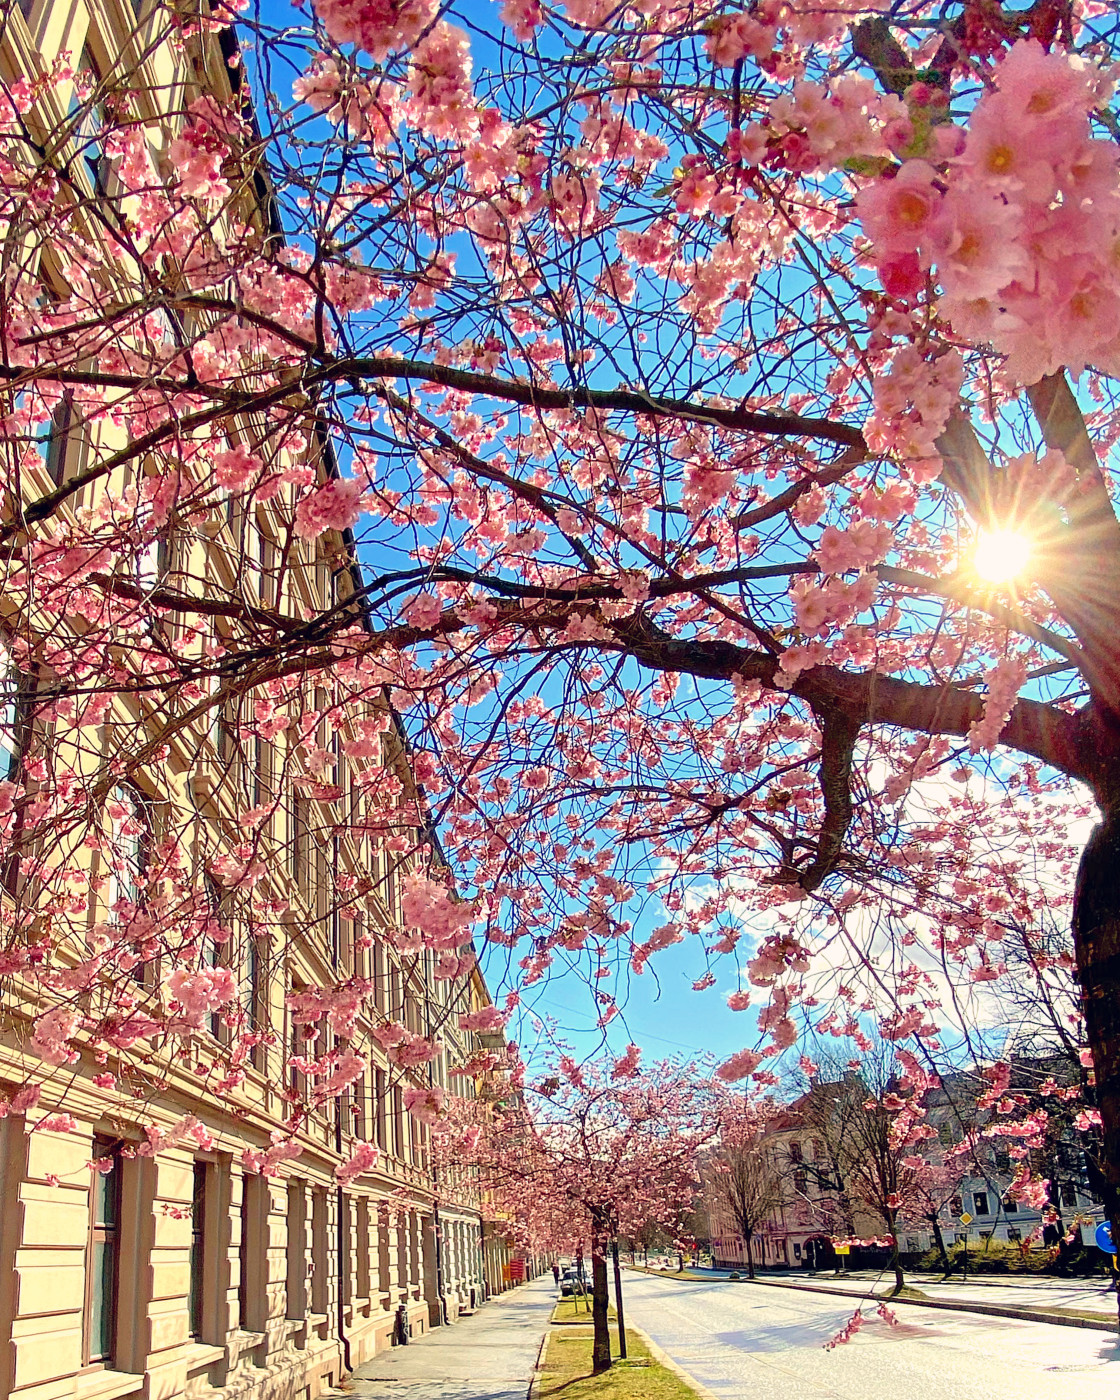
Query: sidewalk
{"x": 489, "y": 1356}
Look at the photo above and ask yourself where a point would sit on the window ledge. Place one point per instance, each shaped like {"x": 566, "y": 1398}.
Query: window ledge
{"x": 247, "y": 1340}
{"x": 107, "y": 1385}
{"x": 198, "y": 1354}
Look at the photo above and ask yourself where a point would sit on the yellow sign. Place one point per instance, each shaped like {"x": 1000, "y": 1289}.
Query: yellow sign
{"x": 843, "y": 1249}
{"x": 966, "y": 1219}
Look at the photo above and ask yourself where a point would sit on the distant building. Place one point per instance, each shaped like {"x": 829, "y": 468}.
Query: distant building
{"x": 813, "y": 1209}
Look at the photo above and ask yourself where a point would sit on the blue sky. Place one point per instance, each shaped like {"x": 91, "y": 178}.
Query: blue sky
{"x": 661, "y": 1012}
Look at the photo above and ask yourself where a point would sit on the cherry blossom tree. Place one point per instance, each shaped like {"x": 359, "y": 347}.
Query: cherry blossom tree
{"x": 703, "y": 418}
{"x": 591, "y": 1151}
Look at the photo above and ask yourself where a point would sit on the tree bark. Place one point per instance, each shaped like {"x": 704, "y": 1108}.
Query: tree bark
{"x": 896, "y": 1262}
{"x": 601, "y": 1347}
{"x": 1096, "y": 933}
{"x": 939, "y": 1240}
{"x": 750, "y": 1256}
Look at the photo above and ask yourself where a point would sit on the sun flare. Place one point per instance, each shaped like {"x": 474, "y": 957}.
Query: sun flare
{"x": 1001, "y": 555}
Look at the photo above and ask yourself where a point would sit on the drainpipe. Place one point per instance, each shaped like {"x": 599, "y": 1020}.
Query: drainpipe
{"x": 437, "y": 1228}
{"x": 438, "y": 1231}
{"x": 341, "y": 1245}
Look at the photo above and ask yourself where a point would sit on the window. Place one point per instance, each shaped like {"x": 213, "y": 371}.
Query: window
{"x": 255, "y": 994}
{"x": 153, "y": 563}
{"x": 249, "y": 1281}
{"x": 102, "y": 1258}
{"x": 15, "y": 704}
{"x": 199, "y": 1203}
{"x": 343, "y": 1245}
{"x": 795, "y": 1154}
{"x": 297, "y": 1080}
{"x": 262, "y": 771}
{"x": 346, "y": 945}
{"x": 818, "y": 1150}
{"x": 267, "y": 564}
{"x": 945, "y": 1133}
{"x": 358, "y": 1114}
{"x": 131, "y": 839}
{"x": 801, "y": 1182}
{"x": 297, "y": 1250}
{"x": 381, "y": 1109}
{"x": 300, "y": 847}
{"x": 981, "y": 1201}
{"x": 56, "y": 438}
{"x": 1011, "y": 1205}
{"x": 363, "y": 1246}
{"x": 1003, "y": 1161}
{"x": 319, "y": 1250}
{"x": 87, "y": 118}
{"x": 398, "y": 1123}
{"x": 1014, "y": 1235}
{"x": 226, "y": 728}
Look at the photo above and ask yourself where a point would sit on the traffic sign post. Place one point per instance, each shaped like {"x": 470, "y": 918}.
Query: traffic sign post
{"x": 966, "y": 1221}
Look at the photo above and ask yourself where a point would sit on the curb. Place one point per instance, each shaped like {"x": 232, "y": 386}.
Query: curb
{"x": 938, "y": 1304}
{"x": 538, "y": 1368}
{"x": 663, "y": 1359}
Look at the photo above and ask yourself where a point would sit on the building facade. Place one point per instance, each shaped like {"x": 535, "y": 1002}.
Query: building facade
{"x": 176, "y": 1221}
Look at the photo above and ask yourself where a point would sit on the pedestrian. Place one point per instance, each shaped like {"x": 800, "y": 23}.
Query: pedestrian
{"x": 556, "y": 1274}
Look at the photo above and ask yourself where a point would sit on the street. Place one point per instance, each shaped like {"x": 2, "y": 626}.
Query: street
{"x": 1032, "y": 1291}
{"x": 746, "y": 1341}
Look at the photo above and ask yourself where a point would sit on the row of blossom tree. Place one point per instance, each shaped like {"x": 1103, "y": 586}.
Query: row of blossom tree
{"x": 673, "y": 361}
{"x": 578, "y": 1153}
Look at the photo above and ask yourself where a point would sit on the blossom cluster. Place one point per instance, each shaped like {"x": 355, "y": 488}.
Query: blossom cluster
{"x": 1012, "y": 216}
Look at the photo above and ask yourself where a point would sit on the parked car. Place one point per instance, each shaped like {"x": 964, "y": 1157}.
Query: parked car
{"x": 570, "y": 1283}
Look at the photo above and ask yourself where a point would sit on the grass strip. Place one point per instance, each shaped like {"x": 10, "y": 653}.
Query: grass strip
{"x": 567, "y": 1372}
{"x": 569, "y": 1310}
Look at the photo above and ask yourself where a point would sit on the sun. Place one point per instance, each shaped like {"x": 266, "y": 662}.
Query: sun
{"x": 1001, "y": 555}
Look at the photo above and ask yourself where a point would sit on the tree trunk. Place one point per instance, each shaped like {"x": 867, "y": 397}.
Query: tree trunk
{"x": 939, "y": 1240}
{"x": 750, "y": 1257}
{"x": 896, "y": 1262}
{"x": 1096, "y": 935}
{"x": 601, "y": 1347}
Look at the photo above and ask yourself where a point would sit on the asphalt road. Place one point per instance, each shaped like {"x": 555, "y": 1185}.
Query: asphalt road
{"x": 751, "y": 1343}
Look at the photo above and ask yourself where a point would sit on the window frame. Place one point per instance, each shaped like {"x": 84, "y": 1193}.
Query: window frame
{"x": 201, "y": 1185}
{"x": 102, "y": 1233}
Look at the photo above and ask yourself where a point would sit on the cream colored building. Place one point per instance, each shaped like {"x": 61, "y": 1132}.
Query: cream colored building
{"x": 180, "y": 1272}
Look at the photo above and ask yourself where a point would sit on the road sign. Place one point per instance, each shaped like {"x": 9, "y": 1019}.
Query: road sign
{"x": 1103, "y": 1237}
{"x": 966, "y": 1219}
{"x": 843, "y": 1248}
